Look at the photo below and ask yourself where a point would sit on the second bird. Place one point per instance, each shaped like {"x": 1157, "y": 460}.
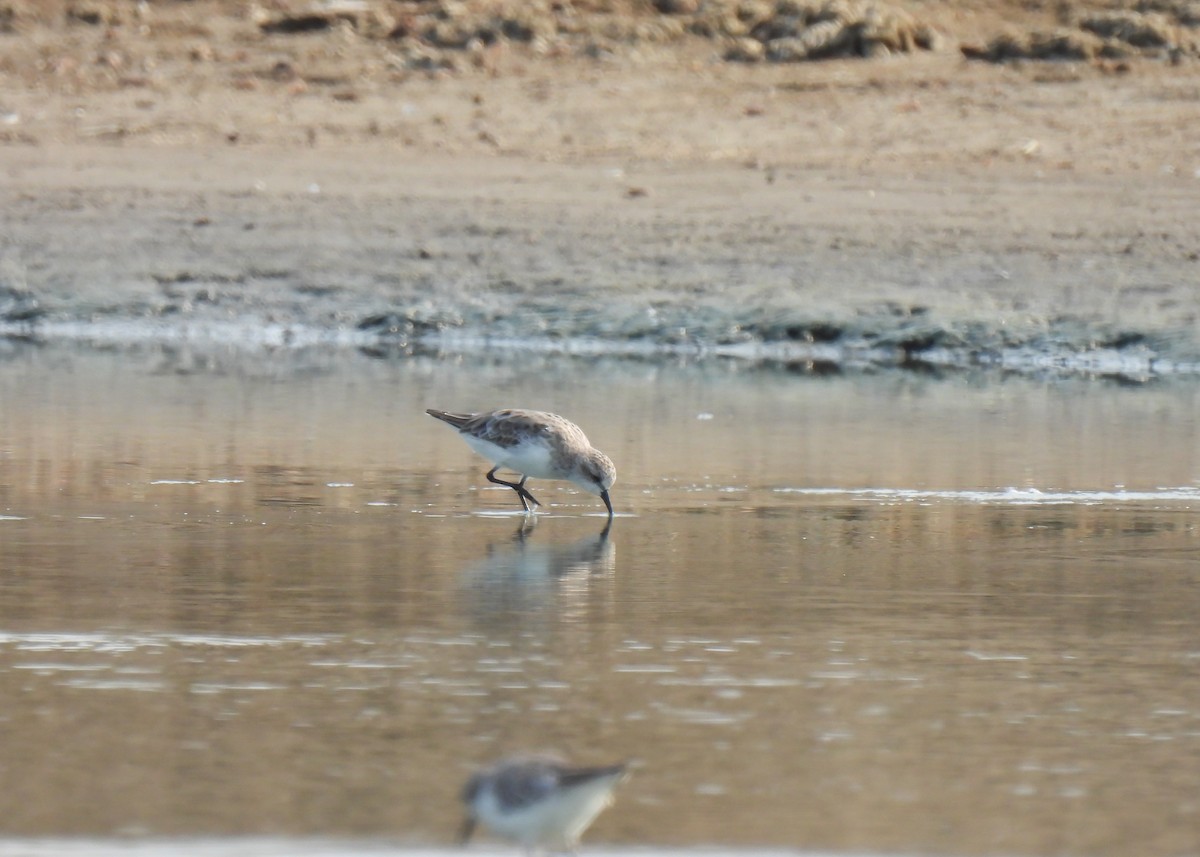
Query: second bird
{"x": 539, "y": 801}
{"x": 537, "y": 444}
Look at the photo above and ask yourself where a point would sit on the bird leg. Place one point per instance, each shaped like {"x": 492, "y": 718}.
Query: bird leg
{"x": 519, "y": 487}
{"x": 468, "y": 827}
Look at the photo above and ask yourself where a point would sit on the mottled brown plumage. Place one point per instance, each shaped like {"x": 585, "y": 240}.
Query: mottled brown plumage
{"x": 537, "y": 444}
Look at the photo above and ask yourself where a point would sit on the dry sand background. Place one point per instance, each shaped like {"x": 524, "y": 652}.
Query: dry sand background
{"x": 604, "y": 170}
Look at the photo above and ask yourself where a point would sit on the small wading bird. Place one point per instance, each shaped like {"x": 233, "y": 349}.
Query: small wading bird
{"x": 538, "y": 801}
{"x": 537, "y": 444}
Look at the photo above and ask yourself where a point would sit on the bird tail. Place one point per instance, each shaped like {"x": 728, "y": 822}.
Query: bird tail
{"x": 578, "y": 776}
{"x": 456, "y": 420}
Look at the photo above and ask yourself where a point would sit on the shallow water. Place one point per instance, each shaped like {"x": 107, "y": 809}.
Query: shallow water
{"x": 265, "y": 595}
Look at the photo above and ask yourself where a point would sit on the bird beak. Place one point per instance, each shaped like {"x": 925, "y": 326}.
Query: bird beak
{"x": 607, "y": 502}
{"x": 468, "y": 827}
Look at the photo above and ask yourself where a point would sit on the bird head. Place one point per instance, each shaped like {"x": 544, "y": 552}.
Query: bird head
{"x": 595, "y": 474}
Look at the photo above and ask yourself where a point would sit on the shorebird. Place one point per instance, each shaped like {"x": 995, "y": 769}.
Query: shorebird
{"x": 538, "y": 801}
{"x": 537, "y": 444}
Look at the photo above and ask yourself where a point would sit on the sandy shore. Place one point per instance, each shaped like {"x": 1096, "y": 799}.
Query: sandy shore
{"x": 906, "y": 210}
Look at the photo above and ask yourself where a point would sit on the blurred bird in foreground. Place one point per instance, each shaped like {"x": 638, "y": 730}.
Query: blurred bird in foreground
{"x": 539, "y": 801}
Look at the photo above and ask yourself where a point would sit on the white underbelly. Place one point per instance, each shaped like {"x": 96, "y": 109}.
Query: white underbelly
{"x": 530, "y": 459}
{"x": 558, "y": 819}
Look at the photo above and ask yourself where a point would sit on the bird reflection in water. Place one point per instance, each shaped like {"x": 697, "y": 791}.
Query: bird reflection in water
{"x": 520, "y": 577}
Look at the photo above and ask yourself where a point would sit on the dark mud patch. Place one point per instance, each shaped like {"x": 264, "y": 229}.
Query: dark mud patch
{"x": 470, "y": 255}
{"x": 1067, "y": 347}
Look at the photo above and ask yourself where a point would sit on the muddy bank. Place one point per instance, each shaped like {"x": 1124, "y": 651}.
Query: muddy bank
{"x": 194, "y": 172}
{"x": 283, "y": 246}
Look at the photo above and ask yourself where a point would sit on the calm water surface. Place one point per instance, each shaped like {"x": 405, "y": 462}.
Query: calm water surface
{"x": 267, "y": 596}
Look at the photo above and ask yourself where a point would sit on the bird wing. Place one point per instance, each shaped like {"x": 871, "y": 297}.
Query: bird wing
{"x": 527, "y": 783}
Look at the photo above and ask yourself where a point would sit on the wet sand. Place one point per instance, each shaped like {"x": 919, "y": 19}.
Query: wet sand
{"x": 271, "y": 246}
{"x": 918, "y": 211}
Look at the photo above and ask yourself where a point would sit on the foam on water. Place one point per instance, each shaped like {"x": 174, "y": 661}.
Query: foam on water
{"x": 101, "y": 642}
{"x": 1007, "y": 496}
{"x": 281, "y": 847}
